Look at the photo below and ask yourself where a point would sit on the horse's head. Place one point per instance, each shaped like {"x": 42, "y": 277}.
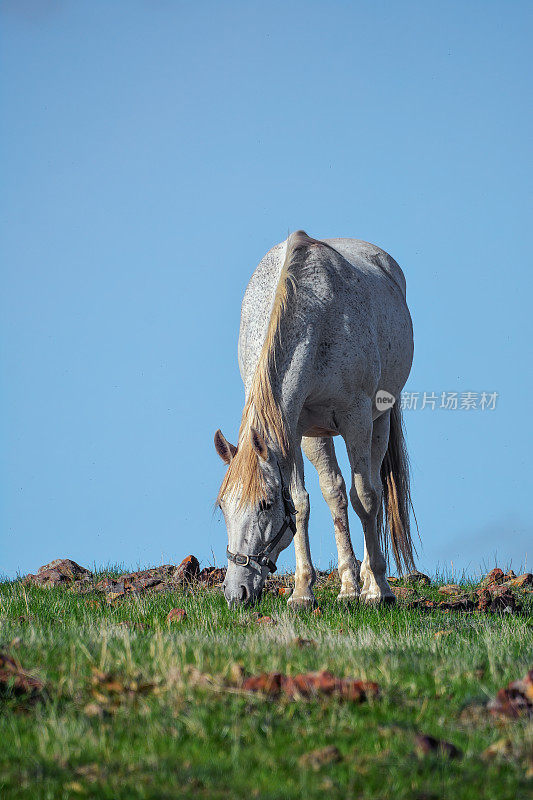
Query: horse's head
{"x": 259, "y": 515}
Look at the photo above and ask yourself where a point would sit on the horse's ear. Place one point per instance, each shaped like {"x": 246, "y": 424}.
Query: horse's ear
{"x": 225, "y": 449}
{"x": 258, "y": 443}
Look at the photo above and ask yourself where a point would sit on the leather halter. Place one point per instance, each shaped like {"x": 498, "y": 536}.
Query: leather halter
{"x": 262, "y": 559}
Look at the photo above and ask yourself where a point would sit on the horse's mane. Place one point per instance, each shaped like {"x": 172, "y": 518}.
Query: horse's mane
{"x": 244, "y": 476}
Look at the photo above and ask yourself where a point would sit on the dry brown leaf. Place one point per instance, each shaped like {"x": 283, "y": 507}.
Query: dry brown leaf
{"x": 176, "y": 615}
{"x": 320, "y": 757}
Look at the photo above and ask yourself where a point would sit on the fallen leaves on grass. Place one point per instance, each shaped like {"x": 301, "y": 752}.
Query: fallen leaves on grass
{"x": 94, "y": 710}
{"x": 176, "y": 615}
{"x": 264, "y": 620}
{"x": 76, "y": 787}
{"x": 236, "y": 674}
{"x": 516, "y": 700}
{"x": 391, "y": 729}
{"x": 464, "y": 604}
{"x": 276, "y": 684}
{"x": 112, "y": 597}
{"x": 137, "y": 626}
{"x": 89, "y": 772}
{"x": 17, "y": 682}
{"x": 301, "y": 642}
{"x": 427, "y": 745}
{"x": 473, "y": 715}
{"x": 502, "y": 748}
{"x": 505, "y": 749}
{"x": 309, "y": 684}
{"x": 110, "y": 691}
{"x": 205, "y": 680}
{"x": 320, "y": 757}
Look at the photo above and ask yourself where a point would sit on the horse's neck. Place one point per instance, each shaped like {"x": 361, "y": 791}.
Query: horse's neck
{"x": 292, "y": 354}
{"x": 291, "y": 379}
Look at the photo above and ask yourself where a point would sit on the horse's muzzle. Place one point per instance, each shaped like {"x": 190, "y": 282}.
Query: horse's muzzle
{"x": 240, "y": 594}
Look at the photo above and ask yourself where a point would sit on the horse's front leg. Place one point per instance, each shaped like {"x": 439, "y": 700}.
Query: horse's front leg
{"x": 305, "y": 576}
{"x": 321, "y": 453}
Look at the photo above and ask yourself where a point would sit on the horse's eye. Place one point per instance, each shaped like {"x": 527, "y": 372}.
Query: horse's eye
{"x": 264, "y": 506}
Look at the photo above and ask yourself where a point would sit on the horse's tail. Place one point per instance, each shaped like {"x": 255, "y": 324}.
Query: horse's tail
{"x": 393, "y": 519}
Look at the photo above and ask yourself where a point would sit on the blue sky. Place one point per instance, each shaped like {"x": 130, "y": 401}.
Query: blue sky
{"x": 152, "y": 152}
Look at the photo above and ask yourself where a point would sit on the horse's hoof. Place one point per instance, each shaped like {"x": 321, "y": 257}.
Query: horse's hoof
{"x": 388, "y": 600}
{"x": 351, "y": 596}
{"x": 378, "y": 599}
{"x": 305, "y": 601}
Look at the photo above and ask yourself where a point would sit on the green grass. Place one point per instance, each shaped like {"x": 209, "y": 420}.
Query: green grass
{"x": 190, "y": 737}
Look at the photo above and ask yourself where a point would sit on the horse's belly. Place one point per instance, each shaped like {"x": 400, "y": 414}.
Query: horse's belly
{"x": 317, "y": 432}
{"x": 318, "y": 421}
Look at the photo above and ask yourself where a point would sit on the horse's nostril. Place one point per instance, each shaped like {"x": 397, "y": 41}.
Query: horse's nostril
{"x": 245, "y": 593}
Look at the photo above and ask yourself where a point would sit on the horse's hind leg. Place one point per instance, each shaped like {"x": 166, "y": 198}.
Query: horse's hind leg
{"x": 372, "y": 587}
{"x": 321, "y": 453}
{"x": 366, "y": 444}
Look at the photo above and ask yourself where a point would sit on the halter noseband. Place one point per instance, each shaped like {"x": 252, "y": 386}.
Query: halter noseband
{"x": 262, "y": 559}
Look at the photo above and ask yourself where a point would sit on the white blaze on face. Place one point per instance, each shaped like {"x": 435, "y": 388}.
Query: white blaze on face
{"x": 250, "y": 530}
{"x": 245, "y": 537}
{"x": 252, "y": 524}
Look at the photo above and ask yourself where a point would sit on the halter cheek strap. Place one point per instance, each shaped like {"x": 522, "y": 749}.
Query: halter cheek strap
{"x": 263, "y": 558}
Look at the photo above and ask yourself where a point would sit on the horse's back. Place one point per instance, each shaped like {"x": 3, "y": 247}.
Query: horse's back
{"x": 361, "y": 254}
{"x": 361, "y": 318}
{"x": 376, "y": 333}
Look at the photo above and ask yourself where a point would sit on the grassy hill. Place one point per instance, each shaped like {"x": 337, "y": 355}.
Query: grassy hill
{"x": 126, "y": 704}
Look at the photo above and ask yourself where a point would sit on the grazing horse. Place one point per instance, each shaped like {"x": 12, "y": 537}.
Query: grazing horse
{"x": 325, "y": 348}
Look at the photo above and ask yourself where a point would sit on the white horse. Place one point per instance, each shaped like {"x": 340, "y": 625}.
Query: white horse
{"x": 325, "y": 335}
